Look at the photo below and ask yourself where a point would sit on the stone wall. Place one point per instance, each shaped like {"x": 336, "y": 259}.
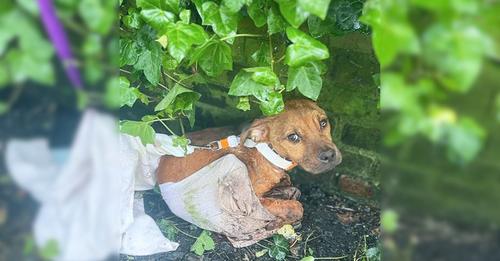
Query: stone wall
{"x": 351, "y": 97}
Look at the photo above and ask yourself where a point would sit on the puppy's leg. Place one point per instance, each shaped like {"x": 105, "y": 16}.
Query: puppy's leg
{"x": 286, "y": 211}
{"x": 288, "y": 192}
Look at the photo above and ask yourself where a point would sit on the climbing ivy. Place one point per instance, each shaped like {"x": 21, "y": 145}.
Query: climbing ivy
{"x": 167, "y": 47}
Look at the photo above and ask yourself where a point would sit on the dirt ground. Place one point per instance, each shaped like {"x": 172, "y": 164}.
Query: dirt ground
{"x": 333, "y": 226}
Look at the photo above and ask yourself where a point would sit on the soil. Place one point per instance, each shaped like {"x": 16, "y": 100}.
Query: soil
{"x": 333, "y": 226}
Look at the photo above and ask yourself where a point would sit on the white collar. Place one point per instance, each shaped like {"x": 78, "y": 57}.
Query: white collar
{"x": 263, "y": 148}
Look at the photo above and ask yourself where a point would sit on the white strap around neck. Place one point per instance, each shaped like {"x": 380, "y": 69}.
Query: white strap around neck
{"x": 262, "y": 148}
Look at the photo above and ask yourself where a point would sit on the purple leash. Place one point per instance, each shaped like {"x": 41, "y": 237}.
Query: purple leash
{"x": 58, "y": 38}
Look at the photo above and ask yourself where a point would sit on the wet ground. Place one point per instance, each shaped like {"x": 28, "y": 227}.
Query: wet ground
{"x": 333, "y": 226}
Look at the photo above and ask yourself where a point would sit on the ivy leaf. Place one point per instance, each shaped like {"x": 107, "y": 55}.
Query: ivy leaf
{"x": 263, "y": 75}
{"x": 271, "y": 103}
{"x": 127, "y": 95}
{"x": 185, "y": 16}
{"x": 214, "y": 57}
{"x": 203, "y": 243}
{"x": 97, "y": 15}
{"x": 132, "y": 20}
{"x": 167, "y": 227}
{"x": 257, "y": 11}
{"x": 275, "y": 22}
{"x": 157, "y": 18}
{"x": 243, "y": 85}
{"x": 243, "y": 104}
{"x": 140, "y": 129}
{"x": 223, "y": 21}
{"x": 128, "y": 52}
{"x": 307, "y": 79}
{"x": 280, "y": 248}
{"x": 293, "y": 12}
{"x": 181, "y": 142}
{"x": 178, "y": 99}
{"x": 50, "y": 250}
{"x": 235, "y": 5}
{"x": 304, "y": 48}
{"x": 182, "y": 36}
{"x": 149, "y": 62}
{"x": 167, "y": 5}
{"x": 307, "y": 258}
{"x": 317, "y": 7}
{"x": 262, "y": 56}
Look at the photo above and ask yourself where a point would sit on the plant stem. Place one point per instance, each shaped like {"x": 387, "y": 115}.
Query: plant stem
{"x": 173, "y": 79}
{"x": 165, "y": 125}
{"x": 240, "y": 35}
{"x": 182, "y": 127}
{"x": 330, "y": 258}
{"x": 184, "y": 233}
{"x": 271, "y": 51}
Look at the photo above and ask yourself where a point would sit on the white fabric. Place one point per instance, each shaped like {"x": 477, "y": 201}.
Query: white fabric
{"x": 220, "y": 198}
{"x": 87, "y": 204}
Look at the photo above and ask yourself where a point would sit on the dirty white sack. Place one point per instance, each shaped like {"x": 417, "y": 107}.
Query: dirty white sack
{"x": 220, "y": 198}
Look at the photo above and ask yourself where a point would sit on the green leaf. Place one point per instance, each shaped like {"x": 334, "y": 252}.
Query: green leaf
{"x": 92, "y": 45}
{"x": 389, "y": 221}
{"x": 243, "y": 104}
{"x": 261, "y": 252}
{"x": 50, "y": 250}
{"x": 307, "y": 258}
{"x": 280, "y": 248}
{"x": 223, "y": 21}
{"x": 243, "y": 85}
{"x": 257, "y": 11}
{"x": 275, "y": 22}
{"x": 317, "y": 7}
{"x": 271, "y": 103}
{"x": 98, "y": 15}
{"x": 149, "y": 62}
{"x": 178, "y": 99}
{"x": 214, "y": 57}
{"x": 293, "y": 12}
{"x": 157, "y": 18}
{"x": 132, "y": 20}
{"x": 389, "y": 41}
{"x": 181, "y": 142}
{"x": 182, "y": 36}
{"x": 169, "y": 62}
{"x": 465, "y": 140}
{"x": 235, "y": 5}
{"x": 456, "y": 52}
{"x": 167, "y": 5}
{"x": 140, "y": 129}
{"x": 263, "y": 75}
{"x": 262, "y": 56}
{"x": 307, "y": 79}
{"x": 128, "y": 95}
{"x": 203, "y": 243}
{"x": 128, "y": 52}
{"x": 167, "y": 227}
{"x": 185, "y": 16}
{"x": 304, "y": 48}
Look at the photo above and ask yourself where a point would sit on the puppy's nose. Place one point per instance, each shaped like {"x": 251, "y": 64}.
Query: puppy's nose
{"x": 326, "y": 155}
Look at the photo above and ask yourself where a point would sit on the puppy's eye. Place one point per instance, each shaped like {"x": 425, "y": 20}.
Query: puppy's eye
{"x": 294, "y": 137}
{"x": 323, "y": 123}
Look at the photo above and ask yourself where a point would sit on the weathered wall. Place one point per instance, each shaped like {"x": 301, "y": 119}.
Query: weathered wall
{"x": 350, "y": 96}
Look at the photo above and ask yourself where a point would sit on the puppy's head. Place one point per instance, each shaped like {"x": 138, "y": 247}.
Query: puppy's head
{"x": 301, "y": 133}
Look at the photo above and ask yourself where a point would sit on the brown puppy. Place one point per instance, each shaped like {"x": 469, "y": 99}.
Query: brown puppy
{"x": 301, "y": 134}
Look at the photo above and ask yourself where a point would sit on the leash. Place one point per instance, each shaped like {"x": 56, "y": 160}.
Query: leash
{"x": 263, "y": 148}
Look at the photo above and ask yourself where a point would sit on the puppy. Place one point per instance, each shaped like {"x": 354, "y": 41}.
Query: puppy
{"x": 301, "y": 134}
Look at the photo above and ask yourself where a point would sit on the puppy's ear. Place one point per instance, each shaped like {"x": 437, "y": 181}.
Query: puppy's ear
{"x": 258, "y": 131}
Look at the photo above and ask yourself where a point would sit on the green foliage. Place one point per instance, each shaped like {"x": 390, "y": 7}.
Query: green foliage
{"x": 280, "y": 247}
{"x": 167, "y": 48}
{"x": 141, "y": 129}
{"x": 203, "y": 243}
{"x": 425, "y": 61}
{"x": 50, "y": 250}
{"x": 168, "y": 228}
{"x": 389, "y": 221}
